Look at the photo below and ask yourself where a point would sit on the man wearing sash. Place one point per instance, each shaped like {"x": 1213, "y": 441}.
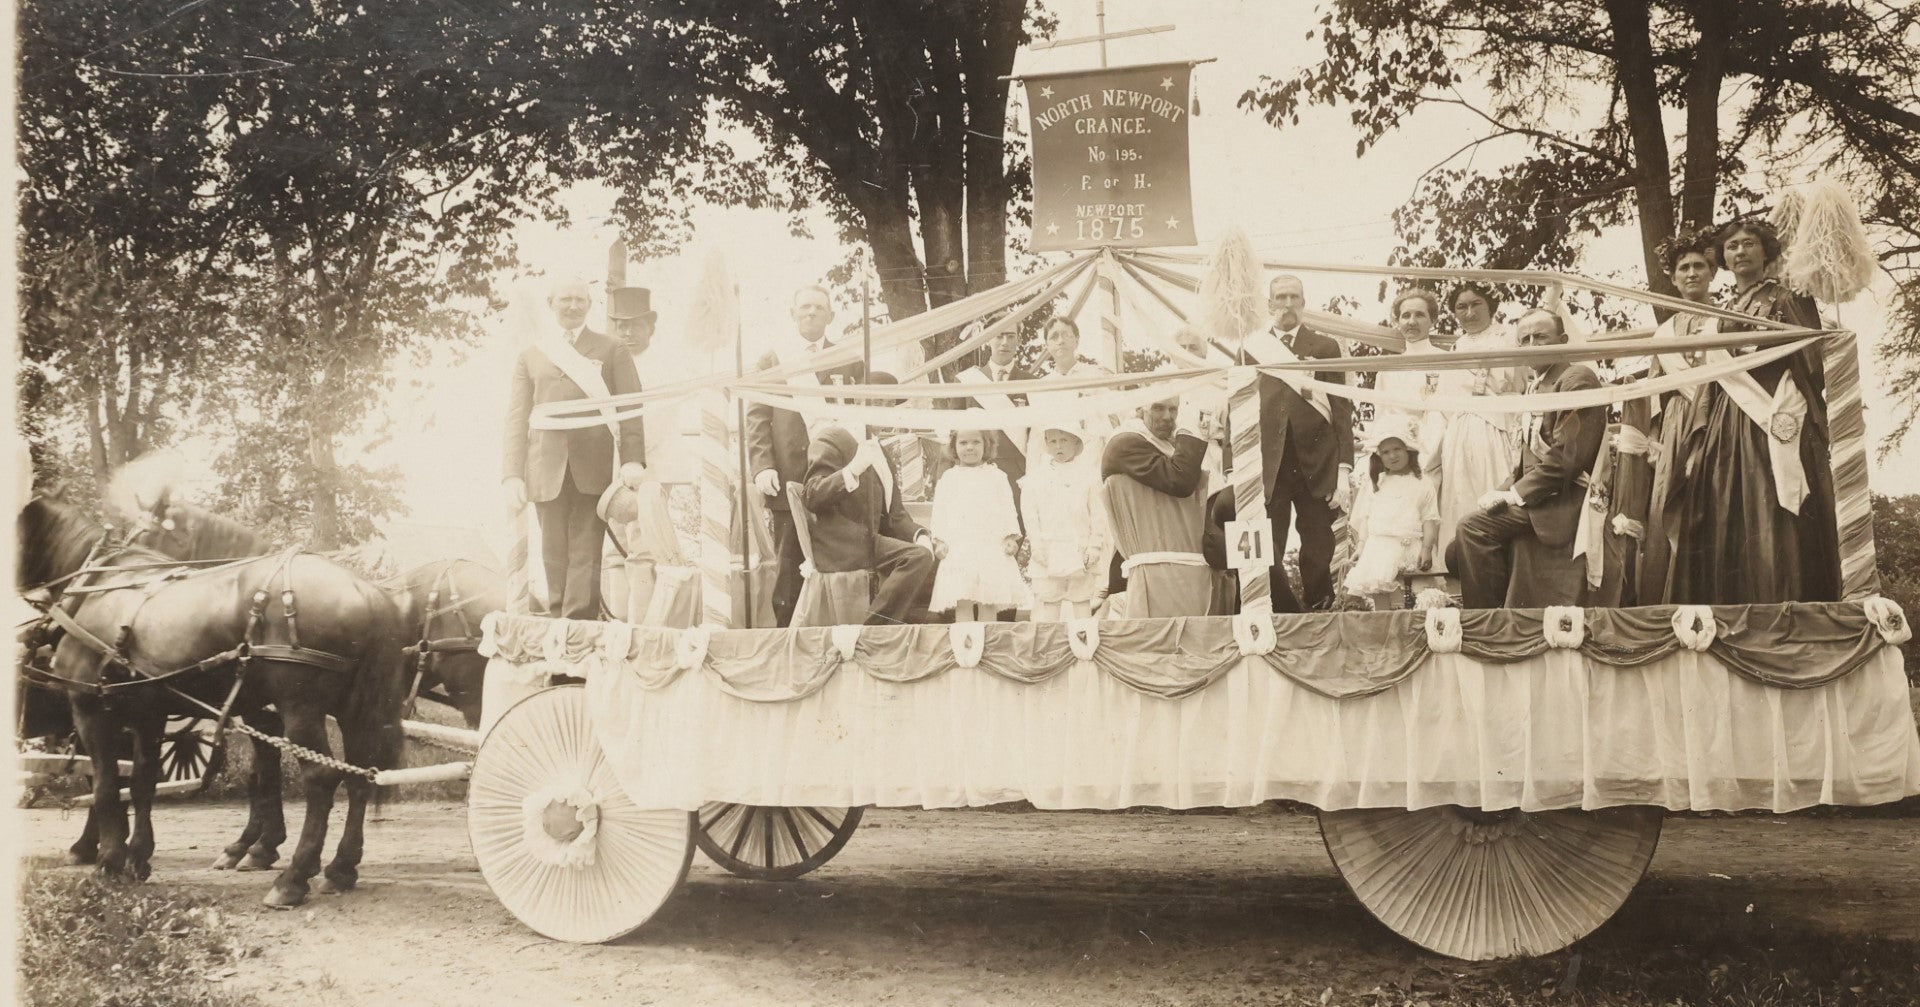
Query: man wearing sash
{"x": 777, "y": 439}
{"x": 1546, "y": 496}
{"x": 563, "y": 472}
{"x": 1156, "y": 502}
{"x": 1306, "y": 446}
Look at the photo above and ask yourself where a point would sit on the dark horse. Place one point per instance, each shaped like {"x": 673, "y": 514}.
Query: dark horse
{"x": 441, "y": 602}
{"x": 134, "y": 608}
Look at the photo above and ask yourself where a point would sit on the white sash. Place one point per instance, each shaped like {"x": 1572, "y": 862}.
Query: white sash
{"x": 1266, "y": 348}
{"x": 584, "y": 372}
{"x": 1674, "y": 363}
{"x": 1780, "y": 415}
{"x": 978, "y": 376}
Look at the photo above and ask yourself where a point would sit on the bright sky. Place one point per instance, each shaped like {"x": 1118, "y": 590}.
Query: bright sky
{"x": 1299, "y": 194}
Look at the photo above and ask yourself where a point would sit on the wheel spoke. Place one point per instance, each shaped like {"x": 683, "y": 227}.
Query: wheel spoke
{"x": 799, "y": 843}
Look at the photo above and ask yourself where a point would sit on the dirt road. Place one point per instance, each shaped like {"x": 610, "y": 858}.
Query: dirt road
{"x": 981, "y": 907}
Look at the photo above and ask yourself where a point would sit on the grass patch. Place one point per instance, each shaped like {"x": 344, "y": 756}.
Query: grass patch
{"x": 84, "y": 940}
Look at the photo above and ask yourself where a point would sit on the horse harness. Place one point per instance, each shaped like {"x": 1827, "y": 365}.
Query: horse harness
{"x": 426, "y": 652}
{"x": 120, "y": 652}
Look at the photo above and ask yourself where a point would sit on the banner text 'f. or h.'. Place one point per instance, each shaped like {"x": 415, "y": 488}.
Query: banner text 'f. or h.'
{"x": 1110, "y": 157}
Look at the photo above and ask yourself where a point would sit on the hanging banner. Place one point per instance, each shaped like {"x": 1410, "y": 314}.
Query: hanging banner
{"x": 1110, "y": 157}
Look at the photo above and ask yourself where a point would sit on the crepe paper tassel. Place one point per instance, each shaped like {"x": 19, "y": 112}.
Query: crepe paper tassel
{"x": 1847, "y": 434}
{"x": 1563, "y": 626}
{"x": 1431, "y": 598}
{"x": 1443, "y": 630}
{"x": 1694, "y": 627}
{"x": 1788, "y": 210}
{"x": 713, "y": 309}
{"x": 1887, "y": 617}
{"x": 716, "y": 512}
{"x": 546, "y": 746}
{"x": 1253, "y": 633}
{"x": 969, "y": 641}
{"x": 1827, "y": 252}
{"x": 145, "y": 482}
{"x": 1231, "y": 301}
{"x": 1480, "y": 885}
{"x": 1249, "y": 492}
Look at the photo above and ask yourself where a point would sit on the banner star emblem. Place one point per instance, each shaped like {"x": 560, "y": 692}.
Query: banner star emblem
{"x": 1046, "y": 91}
{"x": 1166, "y": 83}
{"x": 1173, "y": 223}
{"x": 1052, "y": 229}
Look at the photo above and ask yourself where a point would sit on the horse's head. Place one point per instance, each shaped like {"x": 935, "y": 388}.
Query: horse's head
{"x": 54, "y": 540}
{"x": 183, "y": 531}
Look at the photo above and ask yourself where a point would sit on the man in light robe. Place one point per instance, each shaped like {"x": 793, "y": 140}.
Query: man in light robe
{"x": 1156, "y": 500}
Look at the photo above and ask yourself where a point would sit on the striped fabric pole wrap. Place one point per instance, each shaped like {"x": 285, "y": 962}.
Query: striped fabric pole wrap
{"x": 1852, "y": 503}
{"x": 1249, "y": 495}
{"x": 1110, "y": 309}
{"x": 913, "y": 466}
{"x": 519, "y": 590}
{"x": 716, "y": 513}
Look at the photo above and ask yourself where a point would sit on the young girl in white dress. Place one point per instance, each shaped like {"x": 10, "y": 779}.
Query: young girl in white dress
{"x": 978, "y": 533}
{"x": 1066, "y": 516}
{"x": 1397, "y": 520}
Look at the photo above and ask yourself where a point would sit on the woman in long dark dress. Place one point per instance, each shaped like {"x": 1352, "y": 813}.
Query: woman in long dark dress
{"x": 1745, "y": 534}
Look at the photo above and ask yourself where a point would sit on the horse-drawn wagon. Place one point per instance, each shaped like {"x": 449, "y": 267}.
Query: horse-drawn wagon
{"x": 1489, "y": 782}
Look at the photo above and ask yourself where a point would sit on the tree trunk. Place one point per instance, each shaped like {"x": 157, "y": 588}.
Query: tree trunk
{"x": 1715, "y": 22}
{"x": 1633, "y": 56}
{"x": 985, "y": 58}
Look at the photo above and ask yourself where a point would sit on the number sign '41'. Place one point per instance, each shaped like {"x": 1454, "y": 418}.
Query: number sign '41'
{"x": 1250, "y": 544}
{"x": 1110, "y": 157}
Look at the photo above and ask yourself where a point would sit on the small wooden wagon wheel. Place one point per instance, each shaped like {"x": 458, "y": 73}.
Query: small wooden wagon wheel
{"x": 189, "y": 750}
{"x": 557, "y": 838}
{"x": 1491, "y": 884}
{"x": 772, "y": 844}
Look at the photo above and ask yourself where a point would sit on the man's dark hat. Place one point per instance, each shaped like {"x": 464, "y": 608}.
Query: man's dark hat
{"x": 630, "y": 302}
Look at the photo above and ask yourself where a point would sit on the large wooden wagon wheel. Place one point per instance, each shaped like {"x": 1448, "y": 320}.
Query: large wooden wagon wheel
{"x": 557, "y": 838}
{"x": 1491, "y": 884}
{"x": 191, "y": 750}
{"x": 772, "y": 844}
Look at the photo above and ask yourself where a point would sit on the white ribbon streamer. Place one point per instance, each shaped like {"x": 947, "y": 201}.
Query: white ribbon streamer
{"x": 1253, "y": 633}
{"x": 1083, "y": 636}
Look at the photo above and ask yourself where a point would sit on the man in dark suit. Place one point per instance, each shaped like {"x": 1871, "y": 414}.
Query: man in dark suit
{"x": 854, "y": 495}
{"x": 563, "y": 472}
{"x": 1542, "y": 500}
{"x": 1306, "y": 447}
{"x": 777, "y": 438}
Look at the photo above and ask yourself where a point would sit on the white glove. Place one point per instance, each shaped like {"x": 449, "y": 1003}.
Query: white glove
{"x": 767, "y": 482}
{"x": 1342, "y": 498}
{"x": 633, "y": 474}
{"x": 516, "y": 488}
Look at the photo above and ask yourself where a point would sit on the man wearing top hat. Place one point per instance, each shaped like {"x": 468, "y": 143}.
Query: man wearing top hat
{"x": 563, "y": 472}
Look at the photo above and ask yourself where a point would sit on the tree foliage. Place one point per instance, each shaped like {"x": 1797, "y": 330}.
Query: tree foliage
{"x": 1772, "y": 89}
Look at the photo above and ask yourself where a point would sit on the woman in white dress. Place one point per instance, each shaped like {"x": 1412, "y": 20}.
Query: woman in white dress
{"x": 1480, "y": 449}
